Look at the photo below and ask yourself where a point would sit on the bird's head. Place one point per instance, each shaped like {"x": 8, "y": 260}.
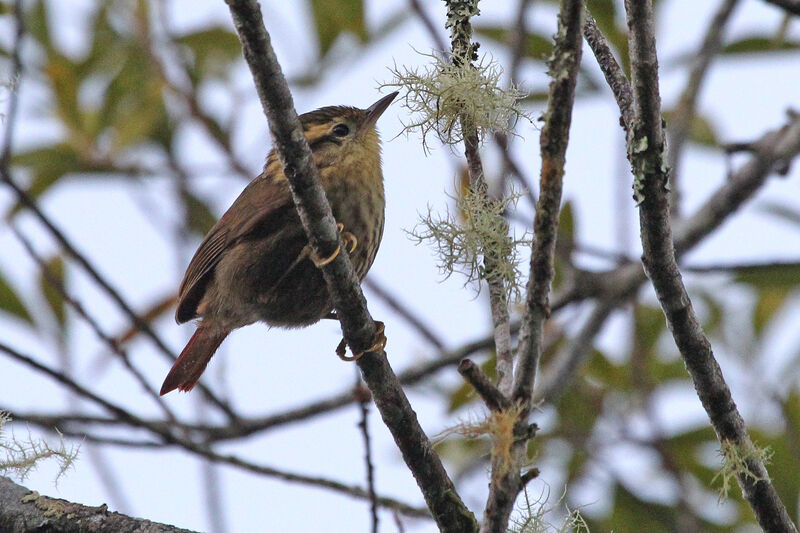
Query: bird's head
{"x": 338, "y": 132}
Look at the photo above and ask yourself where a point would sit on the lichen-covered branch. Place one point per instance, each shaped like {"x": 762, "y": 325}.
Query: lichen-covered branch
{"x": 506, "y": 481}
{"x": 647, "y": 156}
{"x": 358, "y": 326}
{"x": 464, "y": 52}
{"x": 26, "y": 511}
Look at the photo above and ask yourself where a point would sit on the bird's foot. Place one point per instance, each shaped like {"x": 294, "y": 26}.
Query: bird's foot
{"x": 322, "y": 261}
{"x": 380, "y": 344}
{"x": 350, "y": 242}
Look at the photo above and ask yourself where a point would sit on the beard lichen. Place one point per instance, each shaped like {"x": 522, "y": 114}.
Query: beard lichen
{"x": 441, "y": 93}
{"x": 475, "y": 236}
{"x": 21, "y": 457}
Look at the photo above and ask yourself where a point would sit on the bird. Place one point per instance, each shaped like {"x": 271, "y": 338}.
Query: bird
{"x": 256, "y": 265}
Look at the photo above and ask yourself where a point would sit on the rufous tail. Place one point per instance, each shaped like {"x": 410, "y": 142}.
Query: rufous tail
{"x": 193, "y": 359}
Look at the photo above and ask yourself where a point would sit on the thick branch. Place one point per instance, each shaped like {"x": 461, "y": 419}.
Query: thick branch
{"x": 646, "y": 151}
{"x": 25, "y": 511}
{"x": 358, "y": 327}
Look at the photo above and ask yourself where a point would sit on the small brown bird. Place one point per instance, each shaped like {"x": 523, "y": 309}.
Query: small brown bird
{"x": 256, "y": 264}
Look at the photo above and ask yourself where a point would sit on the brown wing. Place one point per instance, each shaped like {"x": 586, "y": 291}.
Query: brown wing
{"x": 262, "y": 198}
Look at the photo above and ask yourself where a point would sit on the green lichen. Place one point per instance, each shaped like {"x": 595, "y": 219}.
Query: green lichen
{"x": 538, "y": 516}
{"x": 21, "y": 457}
{"x": 736, "y": 462}
{"x": 476, "y": 235}
{"x": 441, "y": 93}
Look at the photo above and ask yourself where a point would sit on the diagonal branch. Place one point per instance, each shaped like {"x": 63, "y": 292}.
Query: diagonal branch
{"x": 26, "y": 510}
{"x": 358, "y": 326}
{"x": 612, "y": 71}
{"x": 646, "y": 152}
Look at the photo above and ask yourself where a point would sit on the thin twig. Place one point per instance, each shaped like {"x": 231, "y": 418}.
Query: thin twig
{"x": 76, "y": 306}
{"x": 434, "y": 34}
{"x": 680, "y": 125}
{"x": 363, "y": 404}
{"x": 463, "y": 53}
{"x": 646, "y": 151}
{"x": 612, "y": 71}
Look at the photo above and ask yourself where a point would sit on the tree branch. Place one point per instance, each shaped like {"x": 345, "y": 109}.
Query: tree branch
{"x": 553, "y": 141}
{"x": 790, "y": 6}
{"x": 358, "y": 327}
{"x": 25, "y": 511}
{"x": 612, "y": 71}
{"x": 646, "y": 151}
{"x": 492, "y": 397}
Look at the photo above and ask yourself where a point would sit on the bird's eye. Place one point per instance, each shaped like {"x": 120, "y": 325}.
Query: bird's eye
{"x": 341, "y": 130}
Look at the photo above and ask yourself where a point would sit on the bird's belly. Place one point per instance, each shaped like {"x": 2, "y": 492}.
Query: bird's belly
{"x": 271, "y": 279}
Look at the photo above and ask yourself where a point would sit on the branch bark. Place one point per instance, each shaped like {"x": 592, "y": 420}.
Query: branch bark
{"x": 358, "y": 326}
{"x": 26, "y": 511}
{"x": 553, "y": 141}
{"x": 646, "y": 151}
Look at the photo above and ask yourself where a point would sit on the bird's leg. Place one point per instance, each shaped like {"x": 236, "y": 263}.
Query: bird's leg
{"x": 380, "y": 344}
{"x": 350, "y": 241}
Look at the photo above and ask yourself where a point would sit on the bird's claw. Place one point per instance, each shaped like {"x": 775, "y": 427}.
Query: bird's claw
{"x": 380, "y": 344}
{"x": 350, "y": 242}
{"x": 322, "y": 261}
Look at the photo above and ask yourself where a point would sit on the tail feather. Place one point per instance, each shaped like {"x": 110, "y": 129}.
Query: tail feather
{"x": 193, "y": 359}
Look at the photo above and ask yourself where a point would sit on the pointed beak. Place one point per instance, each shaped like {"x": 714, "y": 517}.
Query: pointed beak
{"x": 376, "y": 110}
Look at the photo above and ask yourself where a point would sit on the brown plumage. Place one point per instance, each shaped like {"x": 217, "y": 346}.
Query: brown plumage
{"x": 255, "y": 264}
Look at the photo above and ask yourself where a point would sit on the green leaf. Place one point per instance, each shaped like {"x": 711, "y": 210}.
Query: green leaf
{"x": 778, "y": 276}
{"x": 63, "y": 76}
{"x": 537, "y": 46}
{"x": 713, "y": 320}
{"x": 701, "y": 131}
{"x": 10, "y": 302}
{"x": 769, "y": 303}
{"x": 47, "y": 165}
{"x": 199, "y": 217}
{"x": 566, "y": 229}
{"x": 649, "y": 324}
{"x": 55, "y": 274}
{"x": 335, "y": 17}
{"x": 38, "y": 26}
{"x": 213, "y": 51}
{"x": 759, "y": 44}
